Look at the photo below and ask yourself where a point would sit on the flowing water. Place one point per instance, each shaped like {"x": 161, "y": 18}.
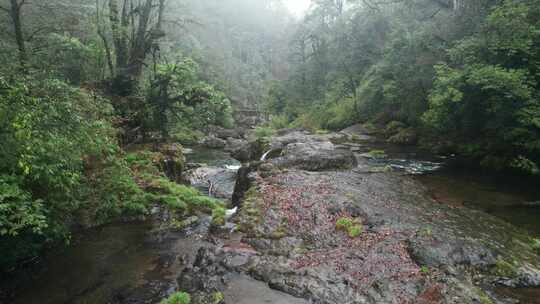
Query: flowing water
{"x": 512, "y": 198}
{"x": 135, "y": 262}
{"x": 103, "y": 265}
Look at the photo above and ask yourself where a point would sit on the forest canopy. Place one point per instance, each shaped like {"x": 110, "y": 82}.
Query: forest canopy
{"x": 82, "y": 82}
{"x": 459, "y": 76}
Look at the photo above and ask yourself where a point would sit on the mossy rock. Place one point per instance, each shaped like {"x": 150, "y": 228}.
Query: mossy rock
{"x": 218, "y": 216}
{"x": 394, "y": 127}
{"x": 404, "y": 137}
{"x": 505, "y": 269}
{"x": 188, "y": 222}
{"x": 377, "y": 154}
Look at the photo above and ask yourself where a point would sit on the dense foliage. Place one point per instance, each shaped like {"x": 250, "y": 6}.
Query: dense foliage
{"x": 55, "y": 138}
{"x": 462, "y": 74}
{"x": 72, "y": 92}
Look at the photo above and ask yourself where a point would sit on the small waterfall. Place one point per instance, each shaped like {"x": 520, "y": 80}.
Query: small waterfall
{"x": 263, "y": 158}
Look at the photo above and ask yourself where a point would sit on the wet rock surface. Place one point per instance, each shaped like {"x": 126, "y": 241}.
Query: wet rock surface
{"x": 285, "y": 243}
{"x": 412, "y": 249}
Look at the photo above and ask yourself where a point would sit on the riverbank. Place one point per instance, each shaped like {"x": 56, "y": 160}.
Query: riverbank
{"x": 319, "y": 220}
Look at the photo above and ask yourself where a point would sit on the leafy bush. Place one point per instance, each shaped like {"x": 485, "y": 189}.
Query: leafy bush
{"x": 179, "y": 99}
{"x": 262, "y": 132}
{"x": 61, "y": 163}
{"x": 177, "y": 298}
{"x": 486, "y": 96}
{"x": 279, "y": 122}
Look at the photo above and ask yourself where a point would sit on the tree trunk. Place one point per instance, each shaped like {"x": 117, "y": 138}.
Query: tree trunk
{"x": 19, "y": 36}
{"x": 130, "y": 57}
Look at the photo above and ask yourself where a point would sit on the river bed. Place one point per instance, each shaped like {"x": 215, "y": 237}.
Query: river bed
{"x": 135, "y": 263}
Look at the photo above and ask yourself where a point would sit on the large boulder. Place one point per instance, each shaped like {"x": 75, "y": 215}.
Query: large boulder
{"x": 216, "y": 181}
{"x": 213, "y": 142}
{"x": 171, "y": 160}
{"x": 316, "y": 156}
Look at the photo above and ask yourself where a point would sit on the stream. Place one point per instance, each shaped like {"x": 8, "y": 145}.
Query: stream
{"x": 138, "y": 263}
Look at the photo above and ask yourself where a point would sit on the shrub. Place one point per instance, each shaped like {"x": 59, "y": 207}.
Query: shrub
{"x": 279, "y": 122}
{"x": 177, "y": 298}
{"x": 262, "y": 132}
{"x": 60, "y": 163}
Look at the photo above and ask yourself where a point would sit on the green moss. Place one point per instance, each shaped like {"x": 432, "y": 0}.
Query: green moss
{"x": 426, "y": 232}
{"x": 503, "y": 268}
{"x": 262, "y": 132}
{"x": 355, "y": 230}
{"x": 218, "y": 297}
{"x": 281, "y": 231}
{"x": 535, "y": 245}
{"x": 393, "y": 127}
{"x": 344, "y": 223}
{"x": 424, "y": 270}
{"x": 181, "y": 224}
{"x": 482, "y": 296}
{"x": 377, "y": 154}
{"x": 370, "y": 127}
{"x": 251, "y": 212}
{"x": 181, "y": 199}
{"x": 404, "y": 137}
{"x": 321, "y": 132}
{"x": 218, "y": 216}
{"x": 177, "y": 298}
{"x": 353, "y": 227}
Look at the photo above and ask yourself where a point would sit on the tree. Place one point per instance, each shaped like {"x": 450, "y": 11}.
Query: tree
{"x": 136, "y": 26}
{"x": 15, "y": 14}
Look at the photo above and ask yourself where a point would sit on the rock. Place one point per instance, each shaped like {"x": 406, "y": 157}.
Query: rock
{"x": 290, "y": 222}
{"x": 213, "y": 142}
{"x": 240, "y": 149}
{"x": 244, "y": 180}
{"x": 404, "y": 137}
{"x": 205, "y": 275}
{"x": 358, "y": 132}
{"x": 223, "y": 133}
{"x": 171, "y": 160}
{"x": 394, "y": 127}
{"x": 216, "y": 181}
{"x": 316, "y": 156}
